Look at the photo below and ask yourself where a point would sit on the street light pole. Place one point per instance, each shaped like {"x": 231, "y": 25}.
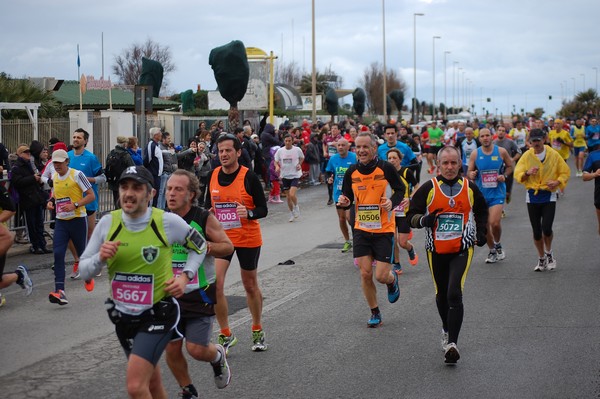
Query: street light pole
{"x": 314, "y": 68}
{"x": 454, "y": 63}
{"x": 463, "y": 86}
{"x": 415, "y": 15}
{"x": 433, "y": 113}
{"x": 385, "y": 115}
{"x": 445, "y": 98}
{"x": 458, "y": 86}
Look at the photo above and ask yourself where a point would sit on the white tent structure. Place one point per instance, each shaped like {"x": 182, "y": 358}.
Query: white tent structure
{"x": 32, "y": 113}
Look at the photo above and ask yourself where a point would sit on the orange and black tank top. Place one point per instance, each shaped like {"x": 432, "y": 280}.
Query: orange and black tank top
{"x": 368, "y": 191}
{"x": 454, "y": 230}
{"x": 243, "y": 233}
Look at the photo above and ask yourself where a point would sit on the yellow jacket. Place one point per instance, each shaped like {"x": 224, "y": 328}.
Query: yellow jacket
{"x": 554, "y": 167}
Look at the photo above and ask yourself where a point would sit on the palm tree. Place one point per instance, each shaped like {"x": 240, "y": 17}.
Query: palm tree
{"x": 23, "y": 91}
{"x": 306, "y": 83}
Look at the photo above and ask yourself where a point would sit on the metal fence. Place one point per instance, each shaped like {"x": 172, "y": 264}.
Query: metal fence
{"x": 20, "y": 131}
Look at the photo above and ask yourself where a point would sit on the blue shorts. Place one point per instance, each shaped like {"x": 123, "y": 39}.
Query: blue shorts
{"x": 578, "y": 150}
{"x": 494, "y": 201}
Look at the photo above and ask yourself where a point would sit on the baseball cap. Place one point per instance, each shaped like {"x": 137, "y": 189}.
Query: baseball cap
{"x": 59, "y": 156}
{"x": 137, "y": 173}
{"x": 22, "y": 149}
{"x": 537, "y": 134}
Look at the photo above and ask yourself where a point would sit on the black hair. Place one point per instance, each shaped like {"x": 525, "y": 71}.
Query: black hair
{"x": 228, "y": 136}
{"x": 238, "y": 130}
{"x": 86, "y": 135}
{"x": 390, "y": 126}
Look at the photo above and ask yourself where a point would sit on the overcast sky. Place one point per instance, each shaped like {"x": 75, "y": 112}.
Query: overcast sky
{"x": 515, "y": 52}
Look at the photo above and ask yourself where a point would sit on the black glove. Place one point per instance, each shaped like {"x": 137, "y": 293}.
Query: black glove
{"x": 50, "y": 183}
{"x": 481, "y": 237}
{"x": 429, "y": 220}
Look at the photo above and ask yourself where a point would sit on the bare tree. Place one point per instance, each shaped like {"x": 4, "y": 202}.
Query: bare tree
{"x": 288, "y": 74}
{"x": 128, "y": 65}
{"x": 372, "y": 81}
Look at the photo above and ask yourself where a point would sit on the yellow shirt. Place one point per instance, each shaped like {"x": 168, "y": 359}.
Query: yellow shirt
{"x": 579, "y": 134}
{"x": 563, "y": 149}
{"x": 67, "y": 191}
{"x": 554, "y": 167}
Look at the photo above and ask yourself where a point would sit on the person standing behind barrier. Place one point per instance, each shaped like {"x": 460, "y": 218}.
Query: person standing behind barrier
{"x": 454, "y": 214}
{"x": 28, "y": 184}
{"x": 153, "y": 160}
{"x": 117, "y": 161}
{"x": 237, "y": 199}
{"x": 197, "y": 304}
{"x": 69, "y": 187}
{"x": 135, "y": 151}
{"x": 543, "y": 172}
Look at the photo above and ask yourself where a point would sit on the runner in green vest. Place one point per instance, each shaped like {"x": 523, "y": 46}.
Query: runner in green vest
{"x": 135, "y": 244}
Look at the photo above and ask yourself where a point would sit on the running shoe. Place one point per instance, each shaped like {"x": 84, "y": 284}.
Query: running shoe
{"x": 347, "y": 247}
{"x": 413, "y": 261}
{"x": 26, "y": 282}
{"x": 58, "y": 297}
{"x": 258, "y": 339}
{"x": 500, "y": 254}
{"x": 89, "y": 285}
{"x": 492, "y": 257}
{"x": 541, "y": 265}
{"x": 444, "y": 339}
{"x": 374, "y": 321}
{"x": 292, "y": 218}
{"x": 393, "y": 290}
{"x": 227, "y": 342}
{"x": 397, "y": 268}
{"x": 188, "y": 392}
{"x": 296, "y": 211}
{"x": 75, "y": 274}
{"x": 221, "y": 369}
{"x": 451, "y": 354}
{"x": 2, "y": 300}
{"x": 550, "y": 262}
{"x": 330, "y": 202}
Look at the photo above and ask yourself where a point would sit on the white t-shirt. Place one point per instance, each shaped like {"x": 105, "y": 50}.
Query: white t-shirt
{"x": 288, "y": 161}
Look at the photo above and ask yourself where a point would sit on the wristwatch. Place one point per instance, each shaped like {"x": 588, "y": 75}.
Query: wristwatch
{"x": 76, "y": 204}
{"x": 189, "y": 275}
{"x": 250, "y": 214}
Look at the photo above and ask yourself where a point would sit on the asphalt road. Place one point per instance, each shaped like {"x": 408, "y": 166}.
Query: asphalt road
{"x": 525, "y": 334}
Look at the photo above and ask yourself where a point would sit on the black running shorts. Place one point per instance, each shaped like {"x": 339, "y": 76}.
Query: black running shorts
{"x": 377, "y": 245}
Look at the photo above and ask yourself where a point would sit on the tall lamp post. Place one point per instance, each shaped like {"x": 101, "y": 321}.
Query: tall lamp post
{"x": 415, "y": 15}
{"x": 385, "y": 115}
{"x": 433, "y": 113}
{"x": 445, "y": 98}
{"x": 458, "y": 87}
{"x": 454, "y": 64}
{"x": 314, "y": 68}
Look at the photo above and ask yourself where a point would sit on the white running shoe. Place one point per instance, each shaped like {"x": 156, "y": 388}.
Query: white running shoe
{"x": 451, "y": 354}
{"x": 444, "y": 339}
{"x": 541, "y": 265}
{"x": 492, "y": 257}
{"x": 296, "y": 211}
{"x": 550, "y": 262}
{"x": 292, "y": 218}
